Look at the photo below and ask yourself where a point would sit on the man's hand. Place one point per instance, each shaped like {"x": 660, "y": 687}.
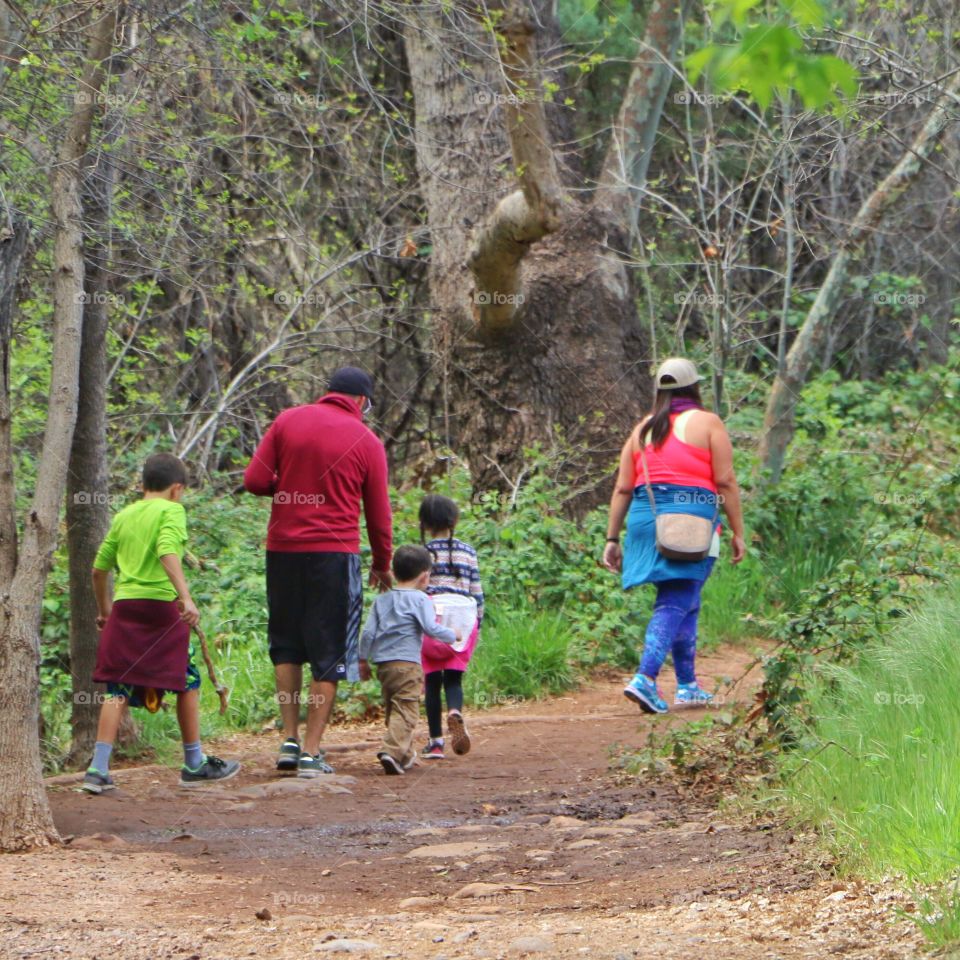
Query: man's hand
{"x": 365, "y": 673}
{"x": 189, "y": 612}
{"x": 381, "y": 579}
{"x": 613, "y": 557}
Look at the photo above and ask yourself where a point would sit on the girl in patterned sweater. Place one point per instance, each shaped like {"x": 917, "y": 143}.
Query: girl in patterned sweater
{"x": 455, "y": 570}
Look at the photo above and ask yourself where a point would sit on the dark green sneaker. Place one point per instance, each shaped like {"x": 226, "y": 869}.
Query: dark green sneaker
{"x": 289, "y": 755}
{"x": 210, "y": 771}
{"x": 309, "y": 767}
{"x": 96, "y": 782}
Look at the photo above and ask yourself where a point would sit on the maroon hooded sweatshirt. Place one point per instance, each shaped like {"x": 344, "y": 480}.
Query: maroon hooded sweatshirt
{"x": 318, "y": 461}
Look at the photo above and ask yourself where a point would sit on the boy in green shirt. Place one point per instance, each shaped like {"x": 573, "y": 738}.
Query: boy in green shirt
{"x": 144, "y": 648}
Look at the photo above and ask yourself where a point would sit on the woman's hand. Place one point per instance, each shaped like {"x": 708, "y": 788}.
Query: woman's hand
{"x": 738, "y": 549}
{"x": 613, "y": 557}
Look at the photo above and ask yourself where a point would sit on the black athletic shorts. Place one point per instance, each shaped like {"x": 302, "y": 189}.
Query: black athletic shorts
{"x": 315, "y": 601}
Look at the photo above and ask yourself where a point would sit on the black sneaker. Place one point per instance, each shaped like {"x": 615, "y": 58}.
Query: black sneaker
{"x": 390, "y": 765}
{"x": 211, "y": 770}
{"x": 289, "y": 755}
{"x": 310, "y": 767}
{"x": 96, "y": 782}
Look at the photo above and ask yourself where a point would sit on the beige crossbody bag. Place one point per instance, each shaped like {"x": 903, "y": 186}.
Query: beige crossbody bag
{"x": 680, "y": 536}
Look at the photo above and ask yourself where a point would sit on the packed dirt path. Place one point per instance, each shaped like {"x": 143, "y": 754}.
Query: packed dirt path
{"x": 528, "y": 846}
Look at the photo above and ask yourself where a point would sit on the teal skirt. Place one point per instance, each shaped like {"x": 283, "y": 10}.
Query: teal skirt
{"x": 642, "y": 562}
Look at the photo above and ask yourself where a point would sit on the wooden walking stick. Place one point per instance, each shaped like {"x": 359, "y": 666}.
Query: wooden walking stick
{"x": 223, "y": 691}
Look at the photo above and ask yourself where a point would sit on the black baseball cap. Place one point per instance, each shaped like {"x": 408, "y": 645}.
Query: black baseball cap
{"x": 352, "y": 381}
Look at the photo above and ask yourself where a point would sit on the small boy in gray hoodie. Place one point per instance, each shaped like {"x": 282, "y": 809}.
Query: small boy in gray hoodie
{"x": 392, "y": 638}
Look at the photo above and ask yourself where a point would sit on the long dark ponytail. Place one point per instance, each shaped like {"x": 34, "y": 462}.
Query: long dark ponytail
{"x": 658, "y": 426}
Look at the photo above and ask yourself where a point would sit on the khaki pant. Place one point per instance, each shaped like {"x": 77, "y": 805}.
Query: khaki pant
{"x": 401, "y": 683}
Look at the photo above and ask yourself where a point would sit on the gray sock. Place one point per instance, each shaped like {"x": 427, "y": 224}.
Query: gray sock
{"x": 192, "y": 755}
{"x": 101, "y": 757}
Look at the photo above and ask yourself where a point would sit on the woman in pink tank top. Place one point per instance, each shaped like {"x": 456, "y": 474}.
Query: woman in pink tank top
{"x": 690, "y": 462}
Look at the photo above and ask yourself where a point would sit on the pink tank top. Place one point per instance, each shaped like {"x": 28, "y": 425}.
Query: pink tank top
{"x": 676, "y": 462}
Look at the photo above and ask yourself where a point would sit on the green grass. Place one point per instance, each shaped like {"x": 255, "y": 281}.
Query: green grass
{"x": 522, "y": 655}
{"x": 882, "y": 778}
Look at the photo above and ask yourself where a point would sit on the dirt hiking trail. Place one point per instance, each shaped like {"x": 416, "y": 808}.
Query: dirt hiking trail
{"x": 526, "y": 847}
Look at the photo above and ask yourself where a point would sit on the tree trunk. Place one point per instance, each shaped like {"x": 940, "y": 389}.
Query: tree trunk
{"x": 25, "y": 818}
{"x": 14, "y": 233}
{"x": 778, "y": 421}
{"x": 536, "y": 325}
{"x": 88, "y": 507}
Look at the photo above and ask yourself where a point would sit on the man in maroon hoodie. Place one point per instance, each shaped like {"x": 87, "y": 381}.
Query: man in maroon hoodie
{"x": 318, "y": 461}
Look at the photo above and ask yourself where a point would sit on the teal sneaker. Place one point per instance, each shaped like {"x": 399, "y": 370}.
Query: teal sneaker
{"x": 289, "y": 756}
{"x": 643, "y": 691}
{"x": 212, "y": 770}
{"x": 96, "y": 782}
{"x": 691, "y": 695}
{"x": 310, "y": 766}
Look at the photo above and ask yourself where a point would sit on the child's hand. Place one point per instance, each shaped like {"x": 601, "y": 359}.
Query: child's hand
{"x": 189, "y": 612}
{"x": 458, "y": 633}
{"x": 365, "y": 670}
{"x": 102, "y": 619}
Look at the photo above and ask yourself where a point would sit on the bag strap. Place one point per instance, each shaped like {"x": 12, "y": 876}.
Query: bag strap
{"x": 646, "y": 475}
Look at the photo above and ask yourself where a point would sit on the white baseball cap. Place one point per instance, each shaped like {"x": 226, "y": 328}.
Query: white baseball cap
{"x": 676, "y": 372}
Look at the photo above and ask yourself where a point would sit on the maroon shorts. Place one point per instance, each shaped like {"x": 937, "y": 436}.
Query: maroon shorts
{"x": 144, "y": 643}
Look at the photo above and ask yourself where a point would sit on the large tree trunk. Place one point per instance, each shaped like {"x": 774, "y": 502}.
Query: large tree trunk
{"x": 88, "y": 508}
{"x": 778, "y": 421}
{"x": 536, "y": 325}
{"x": 25, "y": 818}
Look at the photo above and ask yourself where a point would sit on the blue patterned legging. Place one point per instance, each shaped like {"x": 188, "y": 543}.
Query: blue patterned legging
{"x": 673, "y": 628}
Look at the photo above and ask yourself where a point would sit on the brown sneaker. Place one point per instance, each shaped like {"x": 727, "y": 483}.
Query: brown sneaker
{"x": 459, "y": 738}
